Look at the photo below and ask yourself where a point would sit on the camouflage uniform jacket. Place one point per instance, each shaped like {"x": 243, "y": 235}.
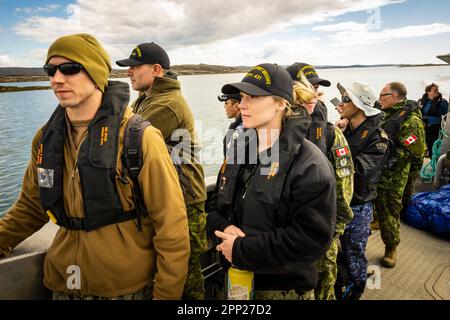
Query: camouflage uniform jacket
{"x": 341, "y": 159}
{"x": 410, "y": 142}
{"x": 334, "y": 145}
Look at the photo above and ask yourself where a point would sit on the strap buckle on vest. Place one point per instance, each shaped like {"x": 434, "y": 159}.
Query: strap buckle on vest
{"x": 134, "y": 171}
{"x": 133, "y": 152}
{"x": 76, "y": 223}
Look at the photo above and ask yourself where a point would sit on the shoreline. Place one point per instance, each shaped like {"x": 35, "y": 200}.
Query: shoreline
{"x": 26, "y": 88}
{"x": 37, "y": 74}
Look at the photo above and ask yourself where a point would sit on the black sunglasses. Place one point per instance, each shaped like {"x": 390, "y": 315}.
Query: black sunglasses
{"x": 65, "y": 68}
{"x": 346, "y": 99}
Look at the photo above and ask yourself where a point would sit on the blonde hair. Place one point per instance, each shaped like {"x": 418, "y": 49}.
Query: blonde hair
{"x": 303, "y": 91}
{"x": 289, "y": 112}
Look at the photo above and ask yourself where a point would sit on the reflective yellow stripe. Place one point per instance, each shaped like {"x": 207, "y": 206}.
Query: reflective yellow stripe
{"x": 52, "y": 217}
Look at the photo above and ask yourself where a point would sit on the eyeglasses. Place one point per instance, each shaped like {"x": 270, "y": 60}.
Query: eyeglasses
{"x": 385, "y": 94}
{"x": 346, "y": 99}
{"x": 65, "y": 68}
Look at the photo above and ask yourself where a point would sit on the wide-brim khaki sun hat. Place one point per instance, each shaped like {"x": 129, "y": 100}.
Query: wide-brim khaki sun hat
{"x": 362, "y": 97}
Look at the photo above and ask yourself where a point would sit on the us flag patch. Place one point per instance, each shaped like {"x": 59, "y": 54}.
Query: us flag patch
{"x": 342, "y": 152}
{"x": 410, "y": 140}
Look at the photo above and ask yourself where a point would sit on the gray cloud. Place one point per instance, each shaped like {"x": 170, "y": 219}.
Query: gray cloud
{"x": 235, "y": 32}
{"x": 176, "y": 23}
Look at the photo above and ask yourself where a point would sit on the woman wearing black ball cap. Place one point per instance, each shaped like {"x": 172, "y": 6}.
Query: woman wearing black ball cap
{"x": 273, "y": 210}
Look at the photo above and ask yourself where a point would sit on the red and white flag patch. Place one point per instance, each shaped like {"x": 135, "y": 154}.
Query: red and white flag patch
{"x": 342, "y": 152}
{"x": 410, "y": 140}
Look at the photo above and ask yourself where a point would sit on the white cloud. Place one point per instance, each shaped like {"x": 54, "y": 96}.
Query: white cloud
{"x": 202, "y": 29}
{"x": 198, "y": 31}
{"x": 38, "y": 55}
{"x": 24, "y": 10}
{"x": 357, "y": 34}
{"x": 47, "y": 8}
{"x": 7, "y": 61}
{"x": 177, "y": 23}
{"x": 343, "y": 26}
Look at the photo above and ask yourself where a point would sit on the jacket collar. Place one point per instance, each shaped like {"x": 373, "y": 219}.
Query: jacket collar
{"x": 115, "y": 100}
{"x": 294, "y": 130}
{"x": 370, "y": 122}
{"x": 164, "y": 84}
{"x": 273, "y": 169}
{"x": 389, "y": 112}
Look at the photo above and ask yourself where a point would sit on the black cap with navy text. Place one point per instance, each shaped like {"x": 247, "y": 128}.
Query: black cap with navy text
{"x": 266, "y": 79}
{"x": 309, "y": 71}
{"x": 233, "y": 96}
{"x": 146, "y": 53}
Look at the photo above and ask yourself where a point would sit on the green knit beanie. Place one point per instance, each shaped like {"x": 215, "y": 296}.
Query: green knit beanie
{"x": 86, "y": 50}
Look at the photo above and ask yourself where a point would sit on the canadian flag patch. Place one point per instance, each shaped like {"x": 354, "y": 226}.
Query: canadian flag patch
{"x": 410, "y": 140}
{"x": 342, "y": 152}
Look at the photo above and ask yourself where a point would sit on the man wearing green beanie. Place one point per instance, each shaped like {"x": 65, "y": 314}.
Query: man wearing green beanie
{"x": 107, "y": 247}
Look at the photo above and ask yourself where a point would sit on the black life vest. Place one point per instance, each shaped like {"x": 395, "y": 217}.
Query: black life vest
{"x": 289, "y": 143}
{"x": 321, "y": 133}
{"x": 97, "y": 161}
{"x": 392, "y": 126}
{"x": 359, "y": 139}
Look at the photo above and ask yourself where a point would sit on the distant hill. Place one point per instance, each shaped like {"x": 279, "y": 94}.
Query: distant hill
{"x": 357, "y": 66}
{"x": 21, "y": 72}
{"x": 12, "y": 74}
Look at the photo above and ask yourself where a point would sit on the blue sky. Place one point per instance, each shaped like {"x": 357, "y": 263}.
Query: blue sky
{"x": 322, "y": 32}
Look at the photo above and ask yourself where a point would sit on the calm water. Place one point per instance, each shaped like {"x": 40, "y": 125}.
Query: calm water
{"x": 22, "y": 113}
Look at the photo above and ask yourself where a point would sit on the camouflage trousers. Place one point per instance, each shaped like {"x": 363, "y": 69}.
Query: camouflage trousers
{"x": 327, "y": 270}
{"x": 194, "y": 288}
{"x": 354, "y": 242}
{"x": 388, "y": 205}
{"x": 283, "y": 295}
{"x": 142, "y": 294}
{"x": 414, "y": 172}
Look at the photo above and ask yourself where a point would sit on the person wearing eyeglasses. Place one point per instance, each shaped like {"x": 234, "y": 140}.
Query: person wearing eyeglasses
{"x": 404, "y": 126}
{"x": 105, "y": 247}
{"x": 368, "y": 145}
{"x": 330, "y": 141}
{"x": 274, "y": 207}
{"x": 433, "y": 107}
{"x": 161, "y": 102}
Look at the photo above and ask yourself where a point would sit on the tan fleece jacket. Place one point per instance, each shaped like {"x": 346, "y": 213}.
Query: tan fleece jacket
{"x": 167, "y": 110}
{"x": 116, "y": 259}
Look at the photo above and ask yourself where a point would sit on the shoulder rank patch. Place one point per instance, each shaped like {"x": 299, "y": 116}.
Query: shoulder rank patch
{"x": 342, "y": 152}
{"x": 364, "y": 135}
{"x": 410, "y": 140}
{"x": 384, "y": 135}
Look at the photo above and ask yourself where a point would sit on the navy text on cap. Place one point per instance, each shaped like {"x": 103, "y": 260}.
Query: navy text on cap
{"x": 309, "y": 71}
{"x": 264, "y": 80}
